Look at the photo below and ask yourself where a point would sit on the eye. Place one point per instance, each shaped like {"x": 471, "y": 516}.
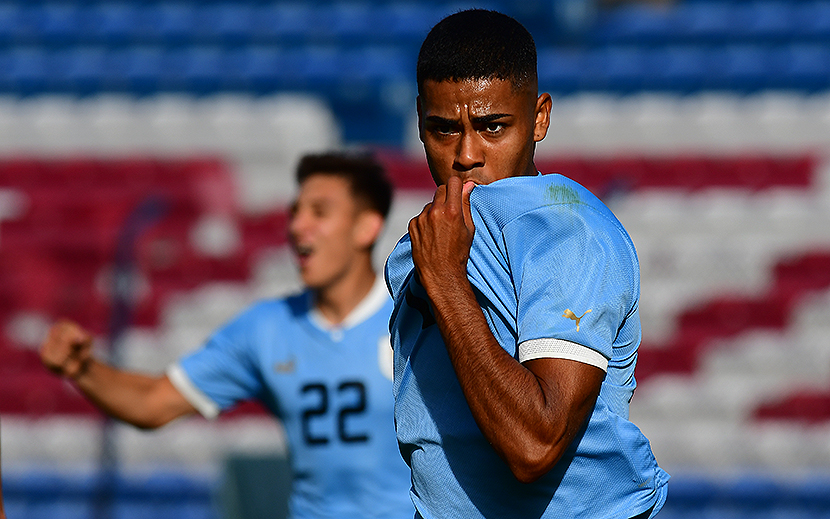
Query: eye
{"x": 494, "y": 128}
{"x": 443, "y": 129}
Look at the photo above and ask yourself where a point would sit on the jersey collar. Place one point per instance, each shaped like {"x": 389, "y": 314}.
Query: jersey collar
{"x": 369, "y": 306}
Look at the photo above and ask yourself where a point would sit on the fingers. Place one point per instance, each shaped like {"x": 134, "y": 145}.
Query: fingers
{"x": 465, "y": 204}
{"x": 454, "y": 188}
{"x": 451, "y": 198}
{"x": 67, "y": 349}
{"x": 440, "y": 196}
{"x": 447, "y": 197}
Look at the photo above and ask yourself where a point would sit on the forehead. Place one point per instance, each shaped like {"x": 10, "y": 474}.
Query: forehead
{"x": 325, "y": 186}
{"x": 479, "y": 96}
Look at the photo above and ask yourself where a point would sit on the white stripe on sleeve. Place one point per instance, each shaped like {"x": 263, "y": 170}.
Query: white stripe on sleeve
{"x": 558, "y": 349}
{"x": 203, "y": 403}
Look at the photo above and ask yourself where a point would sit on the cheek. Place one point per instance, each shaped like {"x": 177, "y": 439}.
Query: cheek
{"x": 522, "y": 150}
{"x": 439, "y": 164}
{"x": 338, "y": 234}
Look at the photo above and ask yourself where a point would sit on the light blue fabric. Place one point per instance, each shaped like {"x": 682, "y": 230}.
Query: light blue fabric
{"x": 329, "y": 390}
{"x": 542, "y": 245}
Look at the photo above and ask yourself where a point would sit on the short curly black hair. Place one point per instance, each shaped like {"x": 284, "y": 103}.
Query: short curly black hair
{"x": 366, "y": 176}
{"x": 478, "y": 44}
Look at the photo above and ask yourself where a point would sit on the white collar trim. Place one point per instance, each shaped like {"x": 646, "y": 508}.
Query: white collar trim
{"x": 369, "y": 306}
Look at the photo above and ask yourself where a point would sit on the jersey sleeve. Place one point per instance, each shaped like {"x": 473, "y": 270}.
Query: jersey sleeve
{"x": 574, "y": 274}
{"x": 221, "y": 373}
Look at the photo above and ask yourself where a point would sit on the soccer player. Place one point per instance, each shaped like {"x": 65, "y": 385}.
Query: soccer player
{"x": 319, "y": 360}
{"x": 515, "y": 326}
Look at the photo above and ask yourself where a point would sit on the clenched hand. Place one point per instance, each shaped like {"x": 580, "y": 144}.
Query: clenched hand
{"x": 67, "y": 349}
{"x": 442, "y": 234}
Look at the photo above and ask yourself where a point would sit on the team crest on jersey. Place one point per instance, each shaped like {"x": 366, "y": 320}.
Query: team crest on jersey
{"x": 572, "y": 316}
{"x": 287, "y": 366}
{"x": 385, "y": 357}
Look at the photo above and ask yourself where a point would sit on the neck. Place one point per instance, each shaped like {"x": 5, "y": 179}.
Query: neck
{"x": 337, "y": 301}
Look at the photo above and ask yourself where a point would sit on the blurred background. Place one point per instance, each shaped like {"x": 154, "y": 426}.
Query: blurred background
{"x": 147, "y": 152}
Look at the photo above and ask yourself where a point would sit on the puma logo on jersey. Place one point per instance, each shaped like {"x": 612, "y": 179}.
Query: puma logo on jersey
{"x": 572, "y": 316}
{"x": 285, "y": 367}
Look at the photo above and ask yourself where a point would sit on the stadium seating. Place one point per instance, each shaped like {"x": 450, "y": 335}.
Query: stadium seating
{"x": 703, "y": 123}
{"x": 146, "y": 48}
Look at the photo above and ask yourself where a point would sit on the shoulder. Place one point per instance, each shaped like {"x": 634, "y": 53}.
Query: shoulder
{"x": 553, "y": 197}
{"x": 268, "y": 312}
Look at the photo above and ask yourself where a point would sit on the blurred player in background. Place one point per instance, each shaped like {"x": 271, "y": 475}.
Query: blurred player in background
{"x": 515, "y": 326}
{"x": 320, "y": 360}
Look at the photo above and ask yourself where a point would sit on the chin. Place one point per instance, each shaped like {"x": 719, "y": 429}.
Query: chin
{"x": 309, "y": 282}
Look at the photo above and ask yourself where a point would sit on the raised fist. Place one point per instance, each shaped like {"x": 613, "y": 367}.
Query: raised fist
{"x": 67, "y": 349}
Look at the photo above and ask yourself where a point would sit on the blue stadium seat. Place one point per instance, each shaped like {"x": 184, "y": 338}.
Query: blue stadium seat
{"x": 561, "y": 70}
{"x": 692, "y": 493}
{"x": 319, "y": 68}
{"x": 197, "y": 69}
{"x": 57, "y": 23}
{"x": 637, "y": 23}
{"x": 137, "y": 69}
{"x": 377, "y": 64}
{"x": 705, "y": 22}
{"x": 81, "y": 69}
{"x": 812, "y": 19}
{"x": 764, "y": 21}
{"x": 405, "y": 23}
{"x": 285, "y": 23}
{"x": 805, "y": 66}
{"x": 813, "y": 493}
{"x": 680, "y": 68}
{"x": 10, "y": 23}
{"x": 618, "y": 68}
{"x": 349, "y": 23}
{"x": 754, "y": 493}
{"x": 28, "y": 70}
{"x": 160, "y": 496}
{"x": 226, "y": 23}
{"x": 256, "y": 68}
{"x": 170, "y": 23}
{"x": 748, "y": 68}
{"x": 115, "y": 23}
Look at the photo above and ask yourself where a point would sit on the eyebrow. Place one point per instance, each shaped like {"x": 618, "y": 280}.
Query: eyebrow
{"x": 478, "y": 120}
{"x": 489, "y": 118}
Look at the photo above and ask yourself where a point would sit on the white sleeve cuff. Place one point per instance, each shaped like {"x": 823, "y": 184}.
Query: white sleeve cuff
{"x": 203, "y": 403}
{"x": 558, "y": 349}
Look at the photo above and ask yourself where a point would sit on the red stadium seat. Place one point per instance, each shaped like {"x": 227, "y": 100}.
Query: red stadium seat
{"x": 37, "y": 392}
{"x": 727, "y": 316}
{"x": 803, "y": 406}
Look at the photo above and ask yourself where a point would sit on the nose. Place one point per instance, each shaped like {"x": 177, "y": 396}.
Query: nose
{"x": 296, "y": 224}
{"x": 470, "y": 153}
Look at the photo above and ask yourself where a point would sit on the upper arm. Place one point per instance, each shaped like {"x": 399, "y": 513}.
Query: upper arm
{"x": 588, "y": 285}
{"x": 571, "y": 387}
{"x": 167, "y": 402}
{"x": 227, "y": 369}
{"x": 574, "y": 384}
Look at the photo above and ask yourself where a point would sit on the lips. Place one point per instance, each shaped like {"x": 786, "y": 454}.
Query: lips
{"x": 303, "y": 253}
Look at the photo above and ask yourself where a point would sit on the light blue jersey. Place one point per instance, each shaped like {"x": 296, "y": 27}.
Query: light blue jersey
{"x": 330, "y": 387}
{"x": 556, "y": 276}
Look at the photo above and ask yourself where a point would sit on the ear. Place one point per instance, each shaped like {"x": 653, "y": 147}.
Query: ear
{"x": 420, "y": 126}
{"x": 367, "y": 229}
{"x": 544, "y": 103}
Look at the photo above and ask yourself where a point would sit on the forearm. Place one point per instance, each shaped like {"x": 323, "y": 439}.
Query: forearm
{"x": 519, "y": 414}
{"x": 134, "y": 398}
